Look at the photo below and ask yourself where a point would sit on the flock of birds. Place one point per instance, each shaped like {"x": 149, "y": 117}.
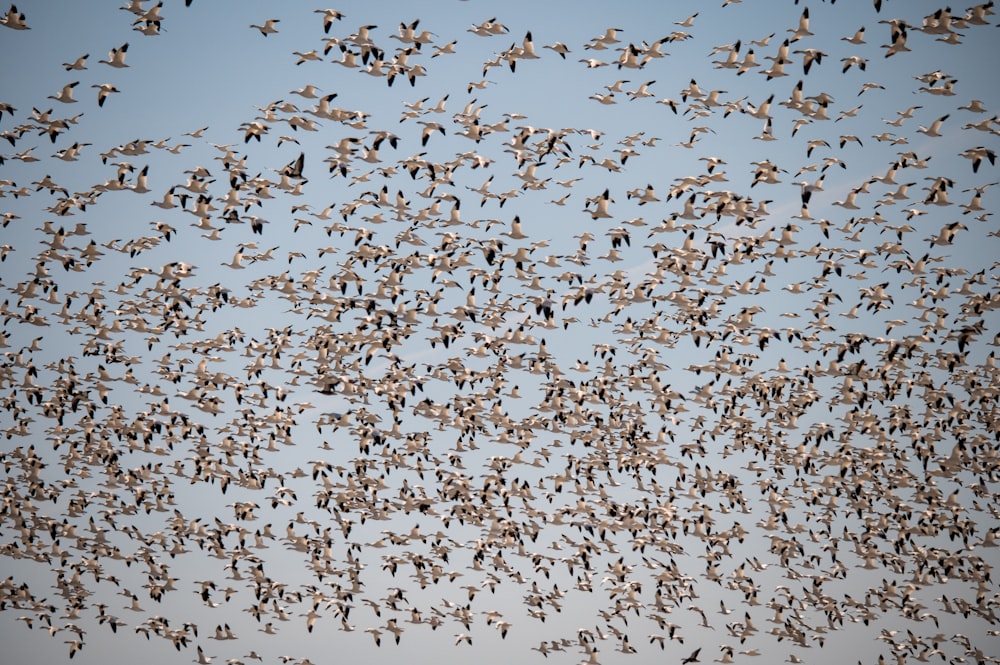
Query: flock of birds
{"x": 621, "y": 417}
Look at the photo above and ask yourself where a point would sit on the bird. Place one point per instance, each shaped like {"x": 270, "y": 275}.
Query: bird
{"x": 692, "y": 658}
{"x": 849, "y": 201}
{"x": 978, "y": 154}
{"x": 77, "y": 65}
{"x": 935, "y": 127}
{"x": 66, "y": 94}
{"x": 330, "y": 16}
{"x": 268, "y": 27}
{"x": 116, "y": 57}
{"x": 640, "y": 92}
{"x": 974, "y": 106}
{"x": 559, "y": 48}
{"x": 854, "y": 61}
{"x": 802, "y": 30}
{"x": 201, "y": 658}
{"x": 488, "y": 28}
{"x": 857, "y": 38}
{"x": 688, "y": 22}
{"x": 14, "y": 19}
{"x": 104, "y": 90}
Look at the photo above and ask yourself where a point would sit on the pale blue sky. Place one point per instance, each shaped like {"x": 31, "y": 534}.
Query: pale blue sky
{"x": 208, "y": 68}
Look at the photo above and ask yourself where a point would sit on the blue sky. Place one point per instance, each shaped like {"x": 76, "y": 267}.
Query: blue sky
{"x": 664, "y": 328}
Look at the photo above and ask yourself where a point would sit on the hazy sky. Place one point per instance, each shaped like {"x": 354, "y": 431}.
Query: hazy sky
{"x": 608, "y": 325}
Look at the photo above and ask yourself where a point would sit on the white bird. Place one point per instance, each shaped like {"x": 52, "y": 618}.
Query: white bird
{"x": 78, "y": 64}
{"x": 640, "y": 92}
{"x": 104, "y": 90}
{"x": 935, "y": 128}
{"x": 974, "y": 106}
{"x": 202, "y": 659}
{"x": 559, "y": 48}
{"x": 688, "y": 22}
{"x": 268, "y": 27}
{"x": 802, "y": 30}
{"x": 849, "y": 201}
{"x": 978, "y": 154}
{"x": 308, "y": 91}
{"x": 14, "y": 19}
{"x": 857, "y": 38}
{"x": 66, "y": 94}
{"x": 329, "y": 17}
{"x": 116, "y": 57}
